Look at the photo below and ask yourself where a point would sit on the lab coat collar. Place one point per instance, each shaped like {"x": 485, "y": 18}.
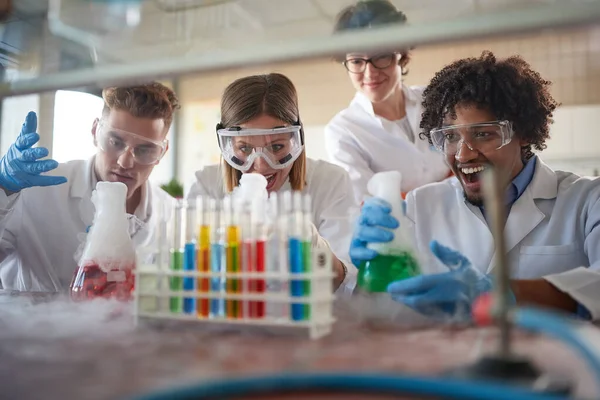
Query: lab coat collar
{"x": 524, "y": 215}
{"x": 310, "y": 168}
{"x": 544, "y": 184}
{"x": 411, "y": 98}
{"x": 286, "y": 186}
{"x": 82, "y": 180}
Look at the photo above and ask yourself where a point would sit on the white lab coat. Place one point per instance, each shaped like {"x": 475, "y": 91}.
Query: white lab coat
{"x": 363, "y": 144}
{"x": 552, "y": 231}
{"x": 42, "y": 227}
{"x": 334, "y": 208}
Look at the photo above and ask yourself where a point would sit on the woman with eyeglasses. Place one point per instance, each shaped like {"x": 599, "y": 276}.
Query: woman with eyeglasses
{"x": 379, "y": 131}
{"x": 260, "y": 132}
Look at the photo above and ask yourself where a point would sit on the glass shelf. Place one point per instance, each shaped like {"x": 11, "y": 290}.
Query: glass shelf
{"x": 77, "y": 43}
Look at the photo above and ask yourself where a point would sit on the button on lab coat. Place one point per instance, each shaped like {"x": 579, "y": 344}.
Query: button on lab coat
{"x": 552, "y": 231}
{"x": 334, "y": 209}
{"x": 42, "y": 226}
{"x": 363, "y": 144}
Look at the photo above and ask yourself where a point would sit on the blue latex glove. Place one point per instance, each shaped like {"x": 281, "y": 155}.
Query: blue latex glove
{"x": 449, "y": 294}
{"x": 374, "y": 216}
{"x": 20, "y": 167}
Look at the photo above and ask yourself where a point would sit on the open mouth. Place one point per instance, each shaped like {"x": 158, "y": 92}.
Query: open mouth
{"x": 472, "y": 174}
{"x": 270, "y": 180}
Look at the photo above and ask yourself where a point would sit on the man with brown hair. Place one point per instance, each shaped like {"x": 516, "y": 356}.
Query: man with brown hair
{"x": 42, "y": 217}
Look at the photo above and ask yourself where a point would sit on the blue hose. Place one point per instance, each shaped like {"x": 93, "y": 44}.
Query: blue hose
{"x": 564, "y": 328}
{"x": 349, "y": 382}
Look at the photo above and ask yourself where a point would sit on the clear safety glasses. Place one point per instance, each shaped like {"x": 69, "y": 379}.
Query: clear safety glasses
{"x": 358, "y": 65}
{"x": 115, "y": 142}
{"x": 279, "y": 147}
{"x": 484, "y": 137}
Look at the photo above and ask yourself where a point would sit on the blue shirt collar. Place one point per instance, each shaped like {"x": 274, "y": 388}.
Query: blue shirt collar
{"x": 520, "y": 182}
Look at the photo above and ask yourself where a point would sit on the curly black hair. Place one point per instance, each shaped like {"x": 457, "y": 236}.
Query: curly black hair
{"x": 509, "y": 88}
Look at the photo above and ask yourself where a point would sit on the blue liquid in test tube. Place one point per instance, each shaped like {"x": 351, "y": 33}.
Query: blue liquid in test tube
{"x": 189, "y": 257}
{"x": 189, "y": 264}
{"x": 295, "y": 256}
{"x": 296, "y": 285}
{"x": 217, "y": 255}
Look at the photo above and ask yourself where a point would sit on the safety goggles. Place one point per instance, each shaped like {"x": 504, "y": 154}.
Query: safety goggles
{"x": 115, "y": 142}
{"x": 358, "y": 65}
{"x": 279, "y": 147}
{"x": 484, "y": 137}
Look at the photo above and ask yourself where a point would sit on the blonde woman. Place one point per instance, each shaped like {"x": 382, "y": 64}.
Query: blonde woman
{"x": 269, "y": 140}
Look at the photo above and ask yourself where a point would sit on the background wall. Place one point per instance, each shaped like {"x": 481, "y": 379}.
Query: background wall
{"x": 570, "y": 59}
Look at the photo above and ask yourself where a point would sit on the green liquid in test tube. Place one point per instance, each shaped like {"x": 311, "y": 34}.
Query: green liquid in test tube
{"x": 306, "y": 260}
{"x": 176, "y": 282}
{"x": 307, "y": 249}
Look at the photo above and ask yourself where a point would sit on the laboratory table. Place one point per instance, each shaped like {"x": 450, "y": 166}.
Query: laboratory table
{"x": 54, "y": 349}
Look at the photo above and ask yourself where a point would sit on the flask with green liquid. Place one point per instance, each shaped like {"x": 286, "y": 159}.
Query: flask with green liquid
{"x": 397, "y": 259}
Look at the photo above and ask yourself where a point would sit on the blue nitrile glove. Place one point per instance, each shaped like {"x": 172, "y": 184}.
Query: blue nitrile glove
{"x": 20, "y": 167}
{"x": 448, "y": 294}
{"x": 374, "y": 217}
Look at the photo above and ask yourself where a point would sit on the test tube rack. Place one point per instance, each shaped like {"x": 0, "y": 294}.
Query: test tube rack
{"x": 279, "y": 298}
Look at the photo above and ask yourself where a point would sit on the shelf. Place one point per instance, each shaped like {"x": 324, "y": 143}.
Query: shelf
{"x": 233, "y": 34}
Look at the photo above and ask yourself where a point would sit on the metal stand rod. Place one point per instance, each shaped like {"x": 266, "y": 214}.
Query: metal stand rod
{"x": 506, "y": 366}
{"x": 496, "y": 211}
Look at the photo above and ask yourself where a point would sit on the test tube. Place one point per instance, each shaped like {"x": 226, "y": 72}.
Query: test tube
{"x": 284, "y": 252}
{"x": 164, "y": 217}
{"x": 176, "y": 282}
{"x": 238, "y": 216}
{"x": 189, "y": 256}
{"x": 260, "y": 251}
{"x": 306, "y": 249}
{"x": 203, "y": 257}
{"x": 295, "y": 250}
{"x": 247, "y": 260}
{"x": 217, "y": 256}
{"x": 232, "y": 252}
{"x": 274, "y": 309}
{"x": 148, "y": 265}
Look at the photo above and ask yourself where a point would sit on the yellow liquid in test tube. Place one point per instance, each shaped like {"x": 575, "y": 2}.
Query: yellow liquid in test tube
{"x": 232, "y": 307}
{"x": 204, "y": 266}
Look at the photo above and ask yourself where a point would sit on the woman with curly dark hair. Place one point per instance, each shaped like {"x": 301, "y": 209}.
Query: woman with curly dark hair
{"x": 481, "y": 113}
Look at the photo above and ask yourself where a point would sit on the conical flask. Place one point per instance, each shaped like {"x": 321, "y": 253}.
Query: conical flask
{"x": 108, "y": 259}
{"x": 397, "y": 259}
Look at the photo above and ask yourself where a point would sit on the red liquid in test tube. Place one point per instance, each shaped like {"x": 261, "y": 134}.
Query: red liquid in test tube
{"x": 249, "y": 282}
{"x": 259, "y": 238}
{"x": 204, "y": 283}
{"x": 260, "y": 284}
{"x": 203, "y": 255}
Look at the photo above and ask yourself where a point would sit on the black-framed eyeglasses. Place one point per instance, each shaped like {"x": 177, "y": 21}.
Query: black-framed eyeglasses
{"x": 358, "y": 65}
